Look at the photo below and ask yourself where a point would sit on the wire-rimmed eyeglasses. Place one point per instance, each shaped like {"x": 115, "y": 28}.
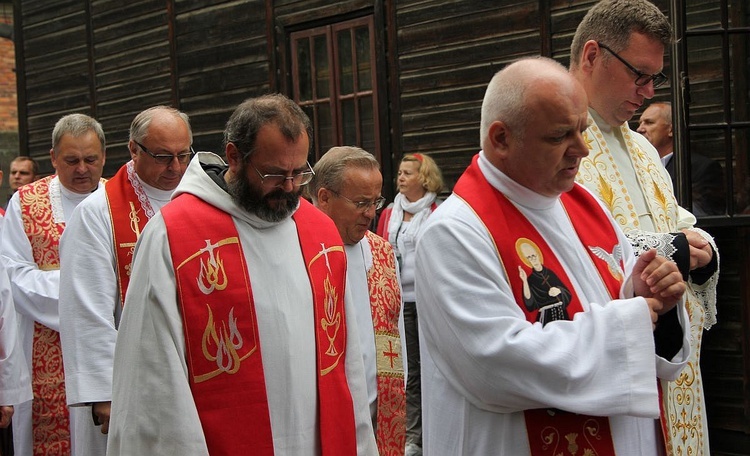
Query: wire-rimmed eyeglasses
{"x": 165, "y": 159}
{"x": 278, "y": 180}
{"x": 641, "y": 78}
{"x": 363, "y": 205}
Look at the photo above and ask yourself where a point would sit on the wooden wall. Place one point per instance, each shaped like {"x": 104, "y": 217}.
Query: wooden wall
{"x": 447, "y": 53}
{"x": 114, "y": 58}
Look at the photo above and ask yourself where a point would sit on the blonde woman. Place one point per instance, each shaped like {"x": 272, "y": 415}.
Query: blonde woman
{"x": 419, "y": 181}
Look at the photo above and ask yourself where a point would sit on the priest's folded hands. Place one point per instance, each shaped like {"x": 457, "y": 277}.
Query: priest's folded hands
{"x": 659, "y": 281}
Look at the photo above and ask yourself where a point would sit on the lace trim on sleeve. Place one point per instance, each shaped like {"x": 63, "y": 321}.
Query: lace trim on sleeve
{"x": 662, "y": 242}
{"x": 706, "y": 292}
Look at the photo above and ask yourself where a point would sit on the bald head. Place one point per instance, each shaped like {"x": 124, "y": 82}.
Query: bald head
{"x": 533, "y": 117}
{"x": 512, "y": 89}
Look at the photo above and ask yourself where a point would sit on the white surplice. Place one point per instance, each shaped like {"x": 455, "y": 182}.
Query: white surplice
{"x": 483, "y": 363}
{"x": 153, "y": 411}
{"x": 36, "y": 298}
{"x": 90, "y": 305}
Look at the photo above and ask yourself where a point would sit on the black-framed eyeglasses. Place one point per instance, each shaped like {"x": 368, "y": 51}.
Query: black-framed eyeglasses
{"x": 165, "y": 159}
{"x": 364, "y": 205}
{"x": 641, "y": 78}
{"x": 278, "y": 180}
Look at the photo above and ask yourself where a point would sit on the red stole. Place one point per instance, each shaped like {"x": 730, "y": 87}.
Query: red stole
{"x": 516, "y": 240}
{"x": 225, "y": 366}
{"x": 385, "y": 305}
{"x": 128, "y": 219}
{"x": 49, "y": 412}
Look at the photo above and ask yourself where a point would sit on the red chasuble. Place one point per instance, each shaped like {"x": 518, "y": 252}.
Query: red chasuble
{"x": 49, "y": 413}
{"x": 385, "y": 305}
{"x": 225, "y": 366}
{"x": 521, "y": 247}
{"x": 128, "y": 218}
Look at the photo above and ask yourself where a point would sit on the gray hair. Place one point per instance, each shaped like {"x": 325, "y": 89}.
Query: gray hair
{"x": 252, "y": 114}
{"x": 613, "y": 21}
{"x": 141, "y": 122}
{"x": 505, "y": 98}
{"x": 77, "y": 125}
{"x": 329, "y": 170}
{"x": 666, "y": 113}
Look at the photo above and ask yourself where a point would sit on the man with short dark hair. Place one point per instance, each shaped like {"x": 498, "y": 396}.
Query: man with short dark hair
{"x": 236, "y": 336}
{"x": 617, "y": 54}
{"x": 23, "y": 170}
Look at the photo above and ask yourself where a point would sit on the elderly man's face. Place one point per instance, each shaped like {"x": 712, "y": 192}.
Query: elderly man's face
{"x": 654, "y": 126}
{"x": 167, "y": 135}
{"x": 79, "y": 161}
{"x": 546, "y": 159}
{"x": 358, "y": 185}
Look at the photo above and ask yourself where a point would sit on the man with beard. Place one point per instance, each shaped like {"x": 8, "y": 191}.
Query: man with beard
{"x": 236, "y": 336}
{"x": 100, "y": 237}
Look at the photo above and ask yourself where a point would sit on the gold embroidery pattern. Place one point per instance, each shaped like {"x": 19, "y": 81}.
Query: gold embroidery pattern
{"x": 332, "y": 320}
{"x": 212, "y": 276}
{"x": 222, "y": 346}
{"x": 599, "y": 174}
{"x": 222, "y": 342}
{"x": 552, "y": 440}
{"x": 684, "y": 399}
{"x": 43, "y": 233}
{"x": 385, "y": 308}
{"x": 651, "y": 175}
{"x": 332, "y": 305}
{"x": 50, "y": 421}
{"x": 383, "y": 283}
{"x": 686, "y": 408}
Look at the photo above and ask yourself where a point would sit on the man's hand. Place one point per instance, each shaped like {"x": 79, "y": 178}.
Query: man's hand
{"x": 101, "y": 411}
{"x": 700, "y": 250}
{"x": 6, "y": 412}
{"x": 656, "y": 277}
{"x": 655, "y": 306}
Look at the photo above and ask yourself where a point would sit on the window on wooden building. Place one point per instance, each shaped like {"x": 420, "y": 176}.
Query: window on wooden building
{"x": 717, "y": 42}
{"x": 334, "y": 81}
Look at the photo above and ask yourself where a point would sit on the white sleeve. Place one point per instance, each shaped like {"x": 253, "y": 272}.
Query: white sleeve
{"x": 35, "y": 292}
{"x": 15, "y": 383}
{"x": 600, "y": 363}
{"x": 153, "y": 411}
{"x": 89, "y": 300}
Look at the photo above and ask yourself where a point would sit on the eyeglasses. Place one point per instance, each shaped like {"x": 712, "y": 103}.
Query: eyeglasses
{"x": 278, "y": 180}
{"x": 165, "y": 159}
{"x": 641, "y": 78}
{"x": 363, "y": 206}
